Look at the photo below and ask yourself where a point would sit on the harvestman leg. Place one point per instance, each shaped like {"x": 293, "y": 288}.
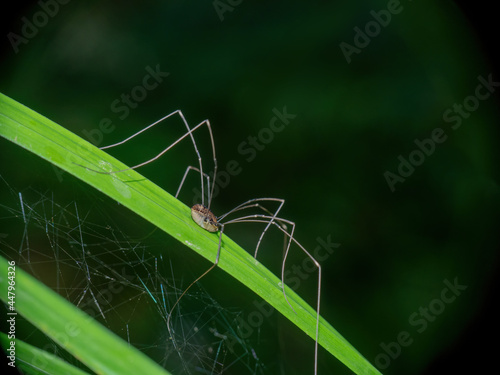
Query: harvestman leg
{"x": 189, "y": 133}
{"x": 273, "y": 220}
{"x": 279, "y": 222}
{"x": 253, "y": 203}
{"x": 203, "y": 174}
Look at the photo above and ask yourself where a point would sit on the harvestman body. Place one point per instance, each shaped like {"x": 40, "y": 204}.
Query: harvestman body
{"x": 203, "y": 216}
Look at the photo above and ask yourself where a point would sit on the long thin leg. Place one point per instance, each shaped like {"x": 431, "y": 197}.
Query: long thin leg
{"x": 258, "y": 218}
{"x": 283, "y": 225}
{"x": 194, "y": 282}
{"x": 184, "y": 178}
{"x": 144, "y": 129}
{"x": 189, "y": 133}
{"x": 273, "y": 220}
{"x": 253, "y": 203}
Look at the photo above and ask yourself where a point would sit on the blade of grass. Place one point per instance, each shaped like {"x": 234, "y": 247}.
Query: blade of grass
{"x": 67, "y": 151}
{"x": 82, "y": 336}
{"x": 34, "y": 361}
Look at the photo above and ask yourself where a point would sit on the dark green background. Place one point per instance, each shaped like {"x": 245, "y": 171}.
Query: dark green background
{"x": 353, "y": 121}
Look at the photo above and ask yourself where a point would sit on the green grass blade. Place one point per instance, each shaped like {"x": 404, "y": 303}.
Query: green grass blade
{"x": 64, "y": 149}
{"x": 34, "y": 361}
{"x": 94, "y": 345}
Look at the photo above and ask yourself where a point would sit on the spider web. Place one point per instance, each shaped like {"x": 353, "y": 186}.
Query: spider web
{"x": 124, "y": 283}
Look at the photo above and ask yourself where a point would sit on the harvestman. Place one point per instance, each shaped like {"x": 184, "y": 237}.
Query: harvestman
{"x": 204, "y": 217}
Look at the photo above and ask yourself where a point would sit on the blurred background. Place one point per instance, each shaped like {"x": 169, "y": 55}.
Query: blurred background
{"x": 364, "y": 116}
